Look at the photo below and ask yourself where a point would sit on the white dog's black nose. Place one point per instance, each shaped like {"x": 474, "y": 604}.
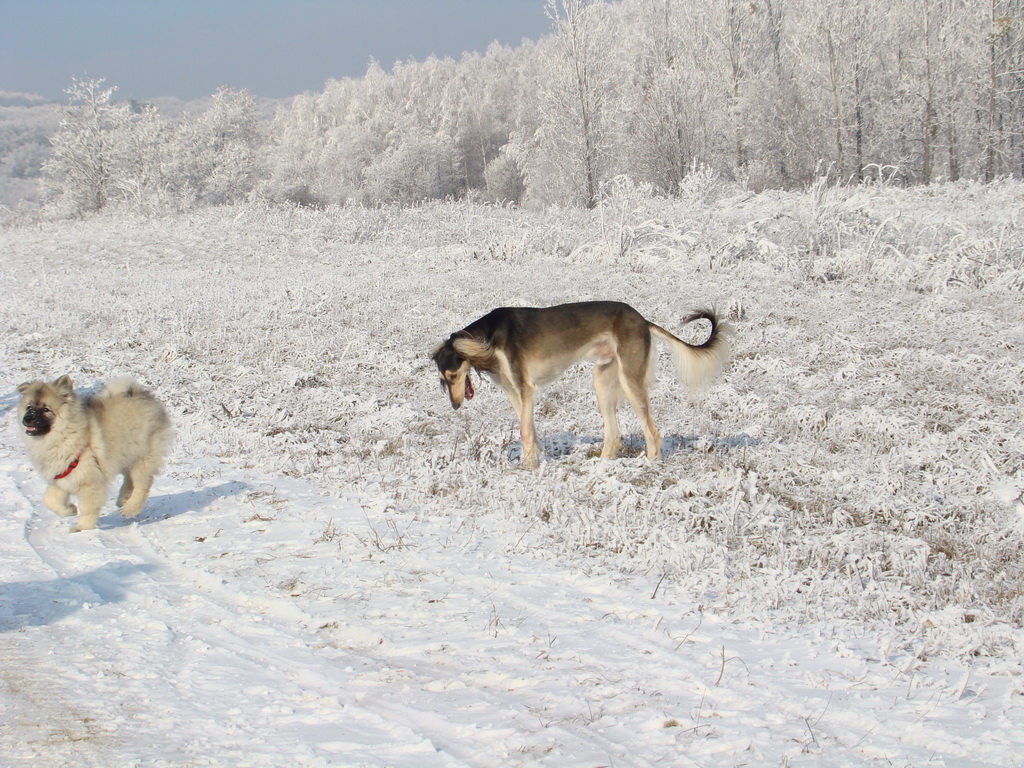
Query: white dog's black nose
{"x": 35, "y": 421}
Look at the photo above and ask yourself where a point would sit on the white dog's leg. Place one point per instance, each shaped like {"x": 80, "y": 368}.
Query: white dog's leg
{"x": 56, "y": 501}
{"x": 90, "y": 500}
{"x": 139, "y": 480}
{"x": 126, "y": 490}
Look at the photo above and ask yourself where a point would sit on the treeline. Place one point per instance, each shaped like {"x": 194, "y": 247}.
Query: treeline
{"x": 772, "y": 93}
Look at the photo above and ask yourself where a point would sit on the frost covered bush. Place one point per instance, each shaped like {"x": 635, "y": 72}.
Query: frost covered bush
{"x": 113, "y": 154}
{"x": 418, "y": 167}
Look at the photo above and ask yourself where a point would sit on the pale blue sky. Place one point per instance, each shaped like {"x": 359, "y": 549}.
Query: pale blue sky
{"x": 272, "y": 48}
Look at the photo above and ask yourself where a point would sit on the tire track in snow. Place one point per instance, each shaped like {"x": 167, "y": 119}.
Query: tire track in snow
{"x": 149, "y": 654}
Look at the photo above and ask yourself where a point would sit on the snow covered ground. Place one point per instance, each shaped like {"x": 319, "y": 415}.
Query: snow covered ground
{"x": 336, "y": 569}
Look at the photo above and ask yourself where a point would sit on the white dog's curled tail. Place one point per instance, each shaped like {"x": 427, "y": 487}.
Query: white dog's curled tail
{"x": 697, "y": 365}
{"x": 124, "y": 386}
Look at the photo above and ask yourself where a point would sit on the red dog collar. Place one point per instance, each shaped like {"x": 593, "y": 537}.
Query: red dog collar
{"x": 68, "y": 471}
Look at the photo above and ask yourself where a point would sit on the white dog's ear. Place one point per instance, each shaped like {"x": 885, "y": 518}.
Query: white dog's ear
{"x": 64, "y": 386}
{"x": 23, "y": 388}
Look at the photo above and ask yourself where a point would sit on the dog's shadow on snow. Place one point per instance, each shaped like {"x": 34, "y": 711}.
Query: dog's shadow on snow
{"x": 38, "y": 603}
{"x": 8, "y": 402}
{"x": 564, "y": 444}
{"x": 167, "y": 506}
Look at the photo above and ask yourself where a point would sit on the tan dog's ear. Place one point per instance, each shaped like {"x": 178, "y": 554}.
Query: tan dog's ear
{"x": 23, "y": 388}
{"x": 64, "y": 386}
{"x": 478, "y": 353}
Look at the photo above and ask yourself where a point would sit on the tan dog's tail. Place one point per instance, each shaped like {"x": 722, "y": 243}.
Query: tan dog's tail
{"x": 697, "y": 365}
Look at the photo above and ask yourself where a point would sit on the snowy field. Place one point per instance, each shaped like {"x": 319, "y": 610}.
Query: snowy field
{"x": 336, "y": 569}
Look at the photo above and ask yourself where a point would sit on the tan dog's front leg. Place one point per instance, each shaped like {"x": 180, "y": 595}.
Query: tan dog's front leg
{"x": 527, "y": 431}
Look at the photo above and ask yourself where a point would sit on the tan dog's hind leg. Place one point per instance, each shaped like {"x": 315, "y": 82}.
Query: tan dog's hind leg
{"x": 634, "y": 385}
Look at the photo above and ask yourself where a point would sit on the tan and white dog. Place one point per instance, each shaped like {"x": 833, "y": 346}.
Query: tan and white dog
{"x": 523, "y": 348}
{"x": 80, "y": 444}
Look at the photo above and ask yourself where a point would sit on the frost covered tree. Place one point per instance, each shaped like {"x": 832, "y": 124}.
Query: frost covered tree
{"x": 108, "y": 153}
{"x": 292, "y": 153}
{"x": 320, "y": 145}
{"x": 570, "y": 152}
{"x": 422, "y": 131}
{"x": 772, "y": 93}
{"x": 86, "y": 155}
{"x": 503, "y": 178}
{"x": 143, "y": 175}
{"x": 419, "y": 166}
{"x": 1004, "y": 110}
{"x": 674, "y": 114}
{"x": 217, "y": 153}
{"x": 484, "y": 103}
